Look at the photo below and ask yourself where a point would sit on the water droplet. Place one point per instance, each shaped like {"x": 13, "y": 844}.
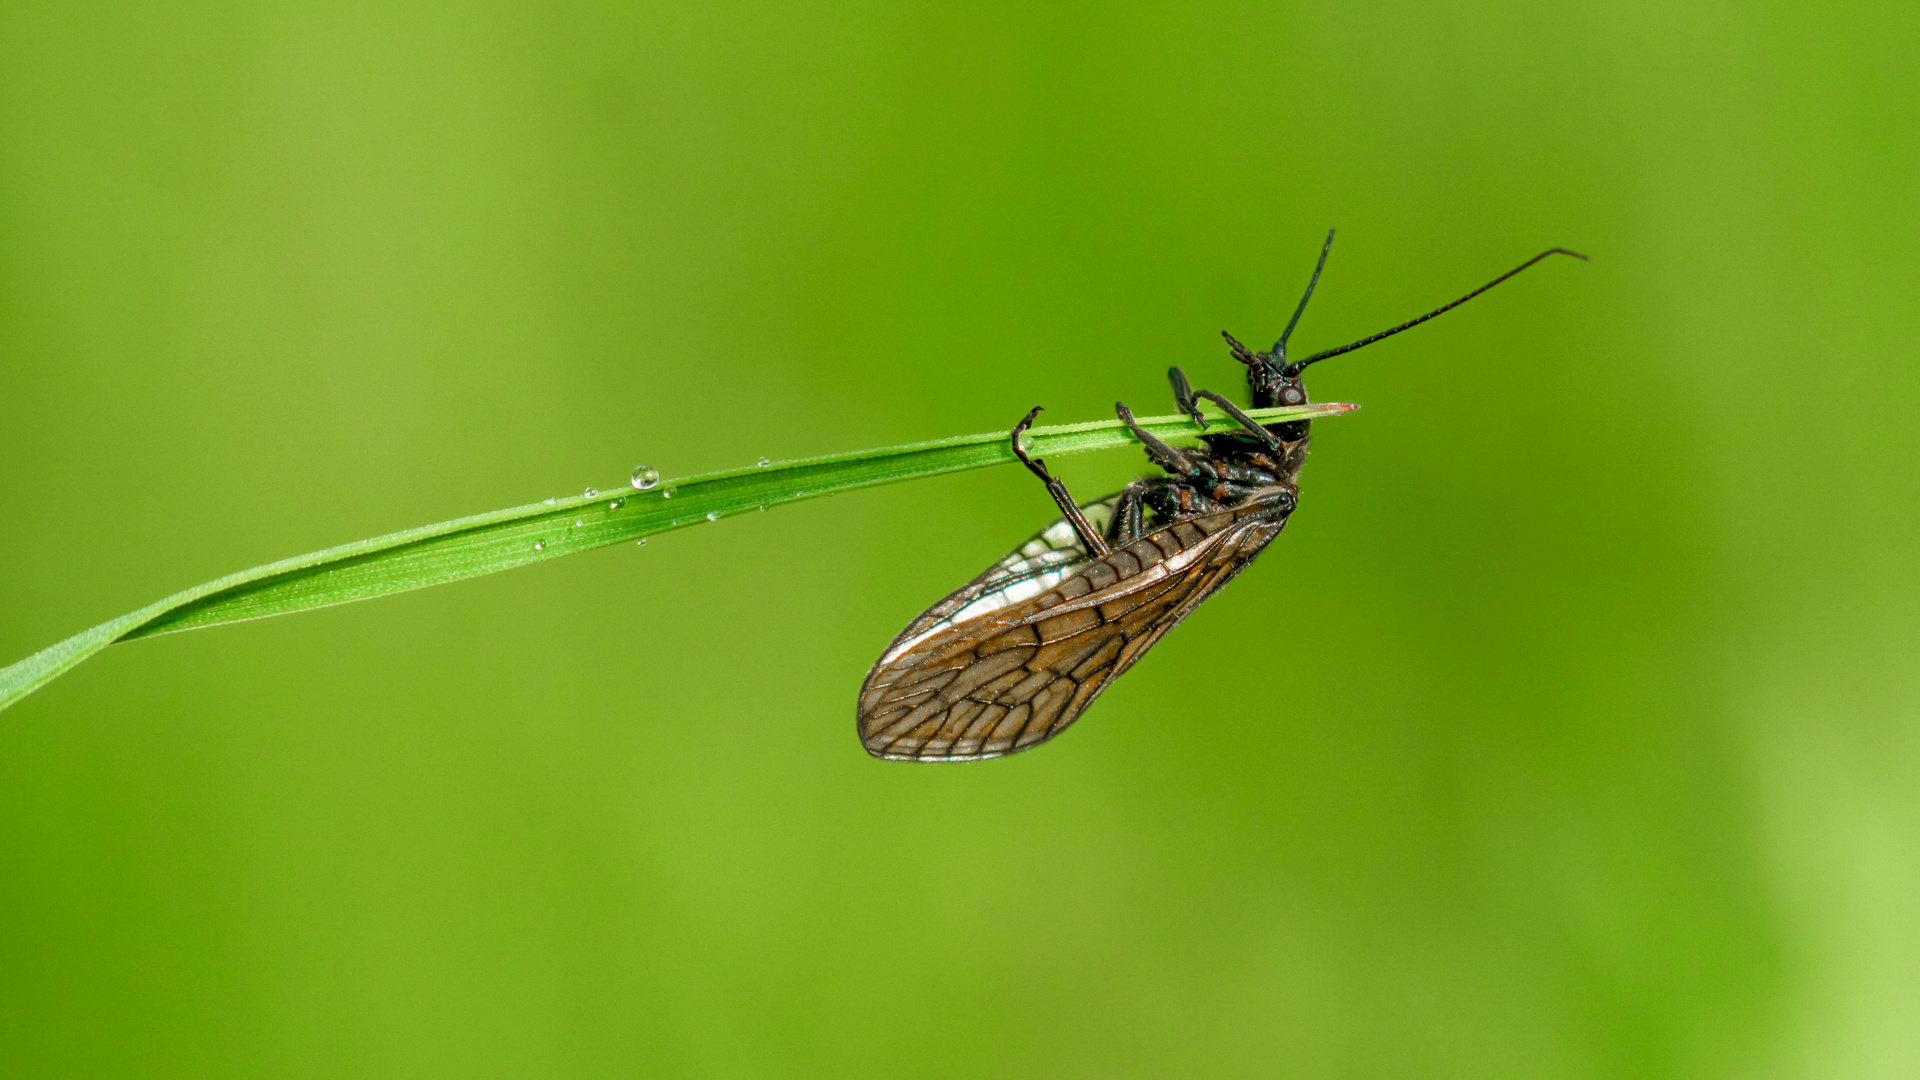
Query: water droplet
{"x": 577, "y": 522}
{"x": 667, "y": 494}
{"x": 764, "y": 462}
{"x": 644, "y": 477}
{"x": 548, "y": 501}
{"x": 675, "y": 521}
{"x": 713, "y": 515}
{"x": 591, "y": 492}
{"x": 642, "y": 542}
{"x": 539, "y": 545}
{"x": 763, "y": 508}
{"x": 616, "y": 504}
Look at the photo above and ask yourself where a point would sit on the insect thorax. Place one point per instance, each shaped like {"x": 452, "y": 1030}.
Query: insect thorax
{"x": 1233, "y": 467}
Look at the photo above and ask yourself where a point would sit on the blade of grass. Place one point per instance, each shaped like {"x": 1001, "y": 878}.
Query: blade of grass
{"x": 486, "y": 543}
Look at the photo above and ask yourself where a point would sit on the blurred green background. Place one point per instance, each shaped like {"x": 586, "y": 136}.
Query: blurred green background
{"x": 1570, "y": 730}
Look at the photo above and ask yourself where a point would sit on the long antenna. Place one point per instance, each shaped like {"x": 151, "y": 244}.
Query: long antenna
{"x": 1280, "y": 347}
{"x": 1295, "y": 367}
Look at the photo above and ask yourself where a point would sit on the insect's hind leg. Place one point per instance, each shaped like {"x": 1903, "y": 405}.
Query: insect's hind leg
{"x": 1129, "y": 520}
{"x": 1095, "y": 543}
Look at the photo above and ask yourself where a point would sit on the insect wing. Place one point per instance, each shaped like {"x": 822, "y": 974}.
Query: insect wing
{"x": 1049, "y": 557}
{"x": 1010, "y": 678}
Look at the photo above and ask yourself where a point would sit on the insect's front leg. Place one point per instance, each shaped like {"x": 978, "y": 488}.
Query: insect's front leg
{"x": 1245, "y": 421}
{"x": 1183, "y": 396}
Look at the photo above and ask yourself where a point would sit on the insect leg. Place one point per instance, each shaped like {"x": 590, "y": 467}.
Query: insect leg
{"x": 1157, "y": 452}
{"x": 1228, "y": 492}
{"x": 1128, "y": 522}
{"x": 1199, "y": 502}
{"x": 1183, "y": 396}
{"x": 1172, "y": 500}
{"x": 1245, "y": 421}
{"x": 1094, "y": 542}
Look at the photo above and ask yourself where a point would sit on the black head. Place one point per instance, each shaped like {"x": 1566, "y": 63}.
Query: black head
{"x": 1270, "y": 379}
{"x": 1274, "y": 380}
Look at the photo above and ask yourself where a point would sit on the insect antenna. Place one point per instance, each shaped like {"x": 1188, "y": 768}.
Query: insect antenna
{"x": 1280, "y": 347}
{"x": 1248, "y": 356}
{"x": 1296, "y": 367}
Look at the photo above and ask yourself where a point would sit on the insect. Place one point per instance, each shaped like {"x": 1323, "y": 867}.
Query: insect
{"x": 1017, "y": 654}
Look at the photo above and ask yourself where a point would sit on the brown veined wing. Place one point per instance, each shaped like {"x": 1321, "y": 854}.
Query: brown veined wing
{"x": 1049, "y": 557}
{"x": 1013, "y": 658}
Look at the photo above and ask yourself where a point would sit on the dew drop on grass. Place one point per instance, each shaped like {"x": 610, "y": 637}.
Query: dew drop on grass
{"x": 616, "y": 504}
{"x": 764, "y": 462}
{"x": 548, "y": 501}
{"x": 577, "y": 522}
{"x": 667, "y": 494}
{"x": 539, "y": 545}
{"x": 642, "y": 542}
{"x": 644, "y": 477}
{"x": 713, "y": 515}
{"x": 591, "y": 492}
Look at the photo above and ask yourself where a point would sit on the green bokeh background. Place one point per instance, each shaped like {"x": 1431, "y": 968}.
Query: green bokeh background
{"x": 1572, "y": 729}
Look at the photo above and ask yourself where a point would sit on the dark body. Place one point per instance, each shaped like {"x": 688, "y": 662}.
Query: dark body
{"x": 1015, "y": 656}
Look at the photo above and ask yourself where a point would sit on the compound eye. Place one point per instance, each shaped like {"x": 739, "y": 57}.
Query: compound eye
{"x": 1292, "y": 395}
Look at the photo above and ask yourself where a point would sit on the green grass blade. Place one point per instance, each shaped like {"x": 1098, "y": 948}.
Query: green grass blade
{"x": 504, "y": 539}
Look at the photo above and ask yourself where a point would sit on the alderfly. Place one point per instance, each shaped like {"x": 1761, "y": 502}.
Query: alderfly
{"x": 1018, "y": 653}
